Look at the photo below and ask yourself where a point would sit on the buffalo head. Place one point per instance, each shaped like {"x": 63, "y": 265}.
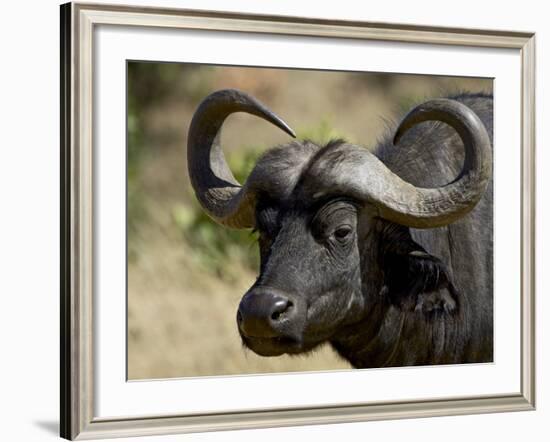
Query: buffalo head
{"x": 333, "y": 221}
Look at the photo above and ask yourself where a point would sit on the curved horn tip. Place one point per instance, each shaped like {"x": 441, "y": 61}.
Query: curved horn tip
{"x": 264, "y": 111}
{"x": 289, "y": 131}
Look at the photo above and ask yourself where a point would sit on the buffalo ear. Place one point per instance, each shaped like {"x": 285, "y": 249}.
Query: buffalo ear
{"x": 415, "y": 280}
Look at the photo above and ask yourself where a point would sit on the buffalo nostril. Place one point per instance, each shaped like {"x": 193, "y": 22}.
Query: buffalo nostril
{"x": 264, "y": 313}
{"x": 281, "y": 307}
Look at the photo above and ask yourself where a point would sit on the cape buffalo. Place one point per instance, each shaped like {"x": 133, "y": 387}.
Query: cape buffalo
{"x": 385, "y": 253}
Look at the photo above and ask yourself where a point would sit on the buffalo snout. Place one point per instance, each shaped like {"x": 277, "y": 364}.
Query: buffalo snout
{"x": 265, "y": 313}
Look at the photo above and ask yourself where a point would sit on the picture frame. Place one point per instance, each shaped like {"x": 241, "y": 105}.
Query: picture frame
{"x": 79, "y": 202}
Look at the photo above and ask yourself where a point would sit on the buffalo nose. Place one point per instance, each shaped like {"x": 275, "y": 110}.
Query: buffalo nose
{"x": 263, "y": 313}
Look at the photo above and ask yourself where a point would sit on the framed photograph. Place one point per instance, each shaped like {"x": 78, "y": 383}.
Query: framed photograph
{"x": 357, "y": 245}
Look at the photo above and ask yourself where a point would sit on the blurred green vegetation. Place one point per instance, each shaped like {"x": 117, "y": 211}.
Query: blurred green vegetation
{"x": 135, "y": 152}
{"x": 218, "y": 250}
{"x": 320, "y": 134}
{"x": 146, "y": 82}
{"x": 150, "y": 84}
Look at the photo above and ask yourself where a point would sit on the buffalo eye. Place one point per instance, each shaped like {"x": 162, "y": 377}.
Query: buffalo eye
{"x": 342, "y": 233}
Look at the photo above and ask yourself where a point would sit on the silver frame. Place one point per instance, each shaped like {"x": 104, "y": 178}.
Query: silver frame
{"x": 77, "y": 24}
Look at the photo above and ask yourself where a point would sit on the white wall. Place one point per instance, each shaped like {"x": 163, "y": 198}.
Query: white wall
{"x": 29, "y": 232}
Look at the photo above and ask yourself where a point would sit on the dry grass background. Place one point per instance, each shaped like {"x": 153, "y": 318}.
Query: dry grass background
{"x": 181, "y": 314}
